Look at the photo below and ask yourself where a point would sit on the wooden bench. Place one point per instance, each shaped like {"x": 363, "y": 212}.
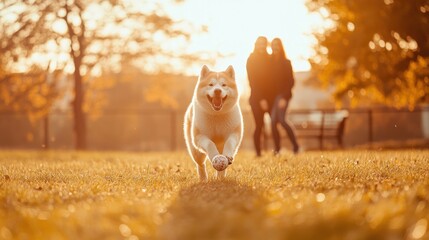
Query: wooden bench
{"x": 317, "y": 124}
{"x": 320, "y": 124}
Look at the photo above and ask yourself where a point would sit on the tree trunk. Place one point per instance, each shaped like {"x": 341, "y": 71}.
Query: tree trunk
{"x": 77, "y": 38}
{"x": 78, "y": 114}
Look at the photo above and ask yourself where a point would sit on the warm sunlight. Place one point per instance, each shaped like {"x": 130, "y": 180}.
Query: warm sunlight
{"x": 127, "y": 114}
{"x": 232, "y": 30}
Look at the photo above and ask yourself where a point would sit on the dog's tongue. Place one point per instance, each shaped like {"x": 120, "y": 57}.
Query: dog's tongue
{"x": 217, "y": 101}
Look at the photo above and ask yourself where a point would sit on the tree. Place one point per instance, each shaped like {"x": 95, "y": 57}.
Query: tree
{"x": 376, "y": 50}
{"x": 32, "y": 92}
{"x": 86, "y": 37}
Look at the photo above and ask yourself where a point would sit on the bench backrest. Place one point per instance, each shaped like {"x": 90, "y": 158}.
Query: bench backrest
{"x": 319, "y": 120}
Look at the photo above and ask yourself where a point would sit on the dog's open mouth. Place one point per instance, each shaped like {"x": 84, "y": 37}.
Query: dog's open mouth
{"x": 216, "y": 101}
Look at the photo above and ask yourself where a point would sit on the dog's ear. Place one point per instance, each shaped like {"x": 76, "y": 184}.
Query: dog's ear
{"x": 204, "y": 71}
{"x": 230, "y": 71}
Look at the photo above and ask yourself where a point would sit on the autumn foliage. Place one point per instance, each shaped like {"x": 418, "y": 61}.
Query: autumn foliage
{"x": 374, "y": 51}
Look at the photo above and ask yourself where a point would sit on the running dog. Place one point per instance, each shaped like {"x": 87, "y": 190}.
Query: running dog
{"x": 213, "y": 125}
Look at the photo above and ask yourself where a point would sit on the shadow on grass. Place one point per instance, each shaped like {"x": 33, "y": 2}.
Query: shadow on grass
{"x": 232, "y": 210}
{"x": 216, "y": 210}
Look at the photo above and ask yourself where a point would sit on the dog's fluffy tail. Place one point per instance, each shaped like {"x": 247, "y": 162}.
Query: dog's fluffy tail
{"x": 197, "y": 156}
{"x": 187, "y": 127}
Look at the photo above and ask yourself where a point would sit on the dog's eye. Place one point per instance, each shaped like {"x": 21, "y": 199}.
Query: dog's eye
{"x": 224, "y": 85}
{"x": 211, "y": 85}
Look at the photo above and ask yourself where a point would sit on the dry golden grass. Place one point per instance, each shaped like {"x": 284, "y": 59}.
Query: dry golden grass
{"x": 315, "y": 195}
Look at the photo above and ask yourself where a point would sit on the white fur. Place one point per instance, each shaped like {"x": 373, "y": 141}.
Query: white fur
{"x": 209, "y": 132}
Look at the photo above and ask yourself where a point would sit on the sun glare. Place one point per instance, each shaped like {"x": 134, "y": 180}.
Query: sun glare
{"x": 233, "y": 26}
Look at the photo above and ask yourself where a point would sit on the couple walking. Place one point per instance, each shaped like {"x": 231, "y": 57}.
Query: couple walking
{"x": 271, "y": 80}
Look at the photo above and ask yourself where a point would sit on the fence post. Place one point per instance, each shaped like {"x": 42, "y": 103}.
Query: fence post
{"x": 370, "y": 133}
{"x": 46, "y": 132}
{"x": 321, "y": 130}
{"x": 173, "y": 129}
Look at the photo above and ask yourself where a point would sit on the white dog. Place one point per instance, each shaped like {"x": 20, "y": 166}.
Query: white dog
{"x": 213, "y": 122}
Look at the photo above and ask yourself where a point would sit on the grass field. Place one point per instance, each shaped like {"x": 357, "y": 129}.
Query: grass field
{"x": 315, "y": 195}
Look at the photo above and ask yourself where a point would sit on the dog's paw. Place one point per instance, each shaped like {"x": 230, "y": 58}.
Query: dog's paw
{"x": 220, "y": 162}
{"x": 230, "y": 160}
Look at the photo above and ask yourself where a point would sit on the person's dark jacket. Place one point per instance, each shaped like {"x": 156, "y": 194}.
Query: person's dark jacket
{"x": 259, "y": 73}
{"x": 283, "y": 77}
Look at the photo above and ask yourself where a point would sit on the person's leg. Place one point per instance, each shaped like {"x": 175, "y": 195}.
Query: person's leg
{"x": 258, "y": 115}
{"x": 275, "y": 131}
{"x": 282, "y": 117}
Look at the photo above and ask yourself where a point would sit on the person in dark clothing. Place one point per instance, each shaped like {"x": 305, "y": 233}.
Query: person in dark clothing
{"x": 282, "y": 74}
{"x": 261, "y": 95}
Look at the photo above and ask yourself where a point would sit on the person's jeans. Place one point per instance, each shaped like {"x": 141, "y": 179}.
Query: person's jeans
{"x": 258, "y": 115}
{"x": 278, "y": 115}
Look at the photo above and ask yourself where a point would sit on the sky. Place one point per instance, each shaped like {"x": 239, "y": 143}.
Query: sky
{"x": 234, "y": 25}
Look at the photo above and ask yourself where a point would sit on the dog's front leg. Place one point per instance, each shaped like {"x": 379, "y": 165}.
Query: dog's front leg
{"x": 207, "y": 146}
{"x": 229, "y": 151}
{"x": 231, "y": 145}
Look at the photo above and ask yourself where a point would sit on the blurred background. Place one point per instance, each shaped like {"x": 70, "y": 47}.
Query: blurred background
{"x": 119, "y": 74}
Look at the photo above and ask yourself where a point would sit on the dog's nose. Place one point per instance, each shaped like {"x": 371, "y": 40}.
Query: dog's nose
{"x": 217, "y": 91}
